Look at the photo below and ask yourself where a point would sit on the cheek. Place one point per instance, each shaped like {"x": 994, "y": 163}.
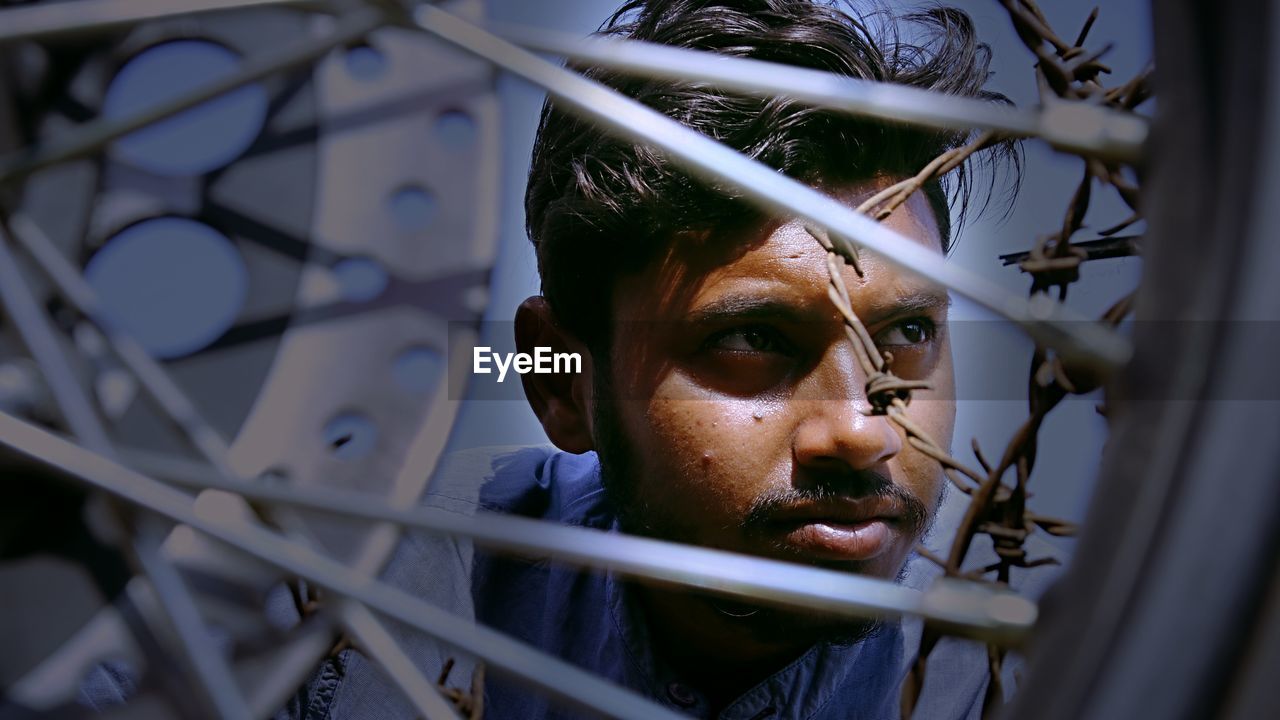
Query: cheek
{"x": 710, "y": 457}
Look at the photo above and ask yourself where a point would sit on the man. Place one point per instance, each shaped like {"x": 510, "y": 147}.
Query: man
{"x": 721, "y": 403}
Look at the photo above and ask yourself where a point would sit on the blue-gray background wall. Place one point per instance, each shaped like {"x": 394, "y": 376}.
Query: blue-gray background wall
{"x": 1075, "y": 432}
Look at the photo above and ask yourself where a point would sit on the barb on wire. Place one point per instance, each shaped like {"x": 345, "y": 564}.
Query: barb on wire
{"x": 1104, "y": 248}
{"x": 882, "y": 204}
{"x": 178, "y": 407}
{"x": 1058, "y": 327}
{"x": 997, "y": 509}
{"x": 1096, "y": 132}
{"x": 469, "y": 703}
{"x": 547, "y": 672}
{"x": 377, "y": 644}
{"x": 995, "y": 616}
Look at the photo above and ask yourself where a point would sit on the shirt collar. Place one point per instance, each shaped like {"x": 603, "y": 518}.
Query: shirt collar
{"x": 861, "y": 679}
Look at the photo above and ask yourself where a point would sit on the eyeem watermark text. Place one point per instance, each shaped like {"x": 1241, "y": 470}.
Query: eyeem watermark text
{"x": 542, "y": 362}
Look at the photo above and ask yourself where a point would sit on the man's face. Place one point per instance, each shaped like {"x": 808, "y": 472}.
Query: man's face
{"x": 733, "y": 413}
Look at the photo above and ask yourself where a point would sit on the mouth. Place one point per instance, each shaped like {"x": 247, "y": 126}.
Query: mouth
{"x": 845, "y": 531}
{"x": 841, "y": 541}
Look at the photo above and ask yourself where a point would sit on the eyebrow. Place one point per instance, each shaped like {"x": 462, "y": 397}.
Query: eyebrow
{"x": 748, "y": 307}
{"x": 915, "y": 302}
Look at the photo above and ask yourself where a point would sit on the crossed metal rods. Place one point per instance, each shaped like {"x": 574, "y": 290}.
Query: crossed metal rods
{"x": 1093, "y": 131}
{"x": 977, "y": 611}
{"x": 966, "y": 608}
{"x": 212, "y": 675}
{"x": 961, "y": 608}
{"x": 1075, "y": 337}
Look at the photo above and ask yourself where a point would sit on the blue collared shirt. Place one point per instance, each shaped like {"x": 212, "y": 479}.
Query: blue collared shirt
{"x": 584, "y": 617}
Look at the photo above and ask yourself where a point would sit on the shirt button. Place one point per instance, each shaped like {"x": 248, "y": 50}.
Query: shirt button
{"x": 681, "y": 695}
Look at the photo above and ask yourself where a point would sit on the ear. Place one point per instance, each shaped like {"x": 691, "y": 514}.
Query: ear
{"x": 562, "y": 401}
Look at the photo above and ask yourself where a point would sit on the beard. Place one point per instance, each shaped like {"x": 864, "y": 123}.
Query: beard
{"x": 620, "y": 475}
{"x": 620, "y": 478}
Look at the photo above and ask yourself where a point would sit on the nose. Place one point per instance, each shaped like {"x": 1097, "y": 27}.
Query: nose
{"x": 835, "y": 431}
{"x": 840, "y": 433}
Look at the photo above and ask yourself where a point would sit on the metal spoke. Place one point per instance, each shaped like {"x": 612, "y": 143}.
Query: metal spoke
{"x": 95, "y": 135}
{"x": 269, "y": 681}
{"x": 56, "y": 678}
{"x": 377, "y": 644}
{"x": 178, "y": 407}
{"x": 556, "y": 676}
{"x": 1073, "y": 336}
{"x": 88, "y": 16}
{"x": 980, "y": 611}
{"x": 152, "y": 377}
{"x": 208, "y": 668}
{"x": 975, "y": 611}
{"x": 42, "y": 341}
{"x": 209, "y": 672}
{"x": 1088, "y": 130}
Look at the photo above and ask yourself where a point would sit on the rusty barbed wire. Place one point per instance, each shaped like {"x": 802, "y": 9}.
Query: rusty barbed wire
{"x": 998, "y": 509}
{"x": 469, "y": 704}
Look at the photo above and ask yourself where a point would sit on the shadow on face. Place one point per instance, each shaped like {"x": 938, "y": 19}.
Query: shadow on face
{"x": 731, "y": 411}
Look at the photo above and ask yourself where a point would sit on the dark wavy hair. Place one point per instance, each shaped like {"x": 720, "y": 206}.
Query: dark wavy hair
{"x": 597, "y": 207}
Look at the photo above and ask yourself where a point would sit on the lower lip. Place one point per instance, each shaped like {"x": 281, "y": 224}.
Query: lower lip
{"x": 860, "y": 541}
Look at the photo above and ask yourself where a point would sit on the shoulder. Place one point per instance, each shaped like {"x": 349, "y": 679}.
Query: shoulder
{"x": 532, "y": 481}
{"x": 459, "y": 476}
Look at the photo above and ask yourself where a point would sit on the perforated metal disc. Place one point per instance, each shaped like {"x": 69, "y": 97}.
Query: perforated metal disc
{"x": 292, "y": 253}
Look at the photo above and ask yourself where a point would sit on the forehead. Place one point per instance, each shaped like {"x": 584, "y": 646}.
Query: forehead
{"x": 780, "y": 260}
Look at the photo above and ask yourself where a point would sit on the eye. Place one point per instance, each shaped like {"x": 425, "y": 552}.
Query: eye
{"x": 912, "y": 331}
{"x": 749, "y": 339}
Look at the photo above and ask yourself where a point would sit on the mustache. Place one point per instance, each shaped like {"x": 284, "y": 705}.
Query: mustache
{"x": 853, "y": 485}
